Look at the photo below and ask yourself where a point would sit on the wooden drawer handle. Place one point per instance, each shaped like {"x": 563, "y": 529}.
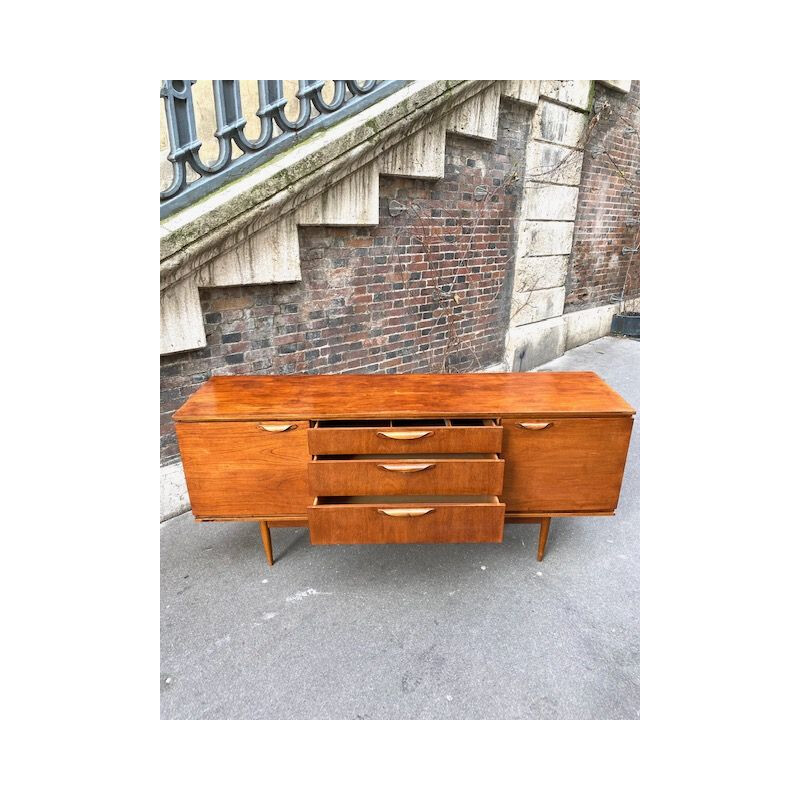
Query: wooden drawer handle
{"x": 277, "y": 428}
{"x": 405, "y": 512}
{"x": 404, "y": 434}
{"x": 405, "y": 467}
{"x": 534, "y": 426}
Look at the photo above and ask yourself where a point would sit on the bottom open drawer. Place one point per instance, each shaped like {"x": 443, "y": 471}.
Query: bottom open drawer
{"x": 405, "y": 520}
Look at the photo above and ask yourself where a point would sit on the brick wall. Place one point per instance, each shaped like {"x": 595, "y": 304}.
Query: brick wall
{"x": 379, "y": 299}
{"x": 608, "y": 199}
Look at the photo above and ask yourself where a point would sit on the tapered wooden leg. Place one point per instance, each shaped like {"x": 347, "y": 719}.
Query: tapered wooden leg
{"x": 544, "y": 529}
{"x": 267, "y": 540}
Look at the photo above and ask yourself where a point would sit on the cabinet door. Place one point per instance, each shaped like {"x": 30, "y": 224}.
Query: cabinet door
{"x": 245, "y": 469}
{"x": 564, "y": 464}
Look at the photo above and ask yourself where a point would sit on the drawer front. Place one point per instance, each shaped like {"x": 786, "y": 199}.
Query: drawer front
{"x": 387, "y": 476}
{"x": 399, "y": 441}
{"x": 245, "y": 469}
{"x": 407, "y": 524}
{"x": 564, "y": 464}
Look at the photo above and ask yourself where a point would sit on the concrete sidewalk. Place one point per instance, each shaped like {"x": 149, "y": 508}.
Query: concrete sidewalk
{"x": 468, "y": 631}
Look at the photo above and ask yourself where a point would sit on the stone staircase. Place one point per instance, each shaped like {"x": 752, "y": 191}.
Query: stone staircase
{"x": 247, "y": 232}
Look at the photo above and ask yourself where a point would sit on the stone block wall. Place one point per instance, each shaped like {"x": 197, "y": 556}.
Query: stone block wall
{"x": 607, "y": 219}
{"x": 560, "y": 126}
{"x": 425, "y": 290}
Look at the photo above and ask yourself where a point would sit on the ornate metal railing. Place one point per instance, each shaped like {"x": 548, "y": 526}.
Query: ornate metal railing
{"x": 277, "y": 132}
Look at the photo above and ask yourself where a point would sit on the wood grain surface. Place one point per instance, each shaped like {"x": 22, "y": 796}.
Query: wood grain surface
{"x": 436, "y": 439}
{"x": 571, "y": 465}
{"x": 283, "y": 397}
{"x": 237, "y": 469}
{"x": 365, "y": 524}
{"x": 431, "y": 476}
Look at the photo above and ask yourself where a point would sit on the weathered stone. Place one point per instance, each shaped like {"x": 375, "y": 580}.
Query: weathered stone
{"x": 549, "y": 201}
{"x": 271, "y": 255}
{"x": 419, "y": 156}
{"x": 571, "y": 93}
{"x": 529, "y": 346}
{"x": 181, "y": 318}
{"x": 588, "y": 325}
{"x": 174, "y": 494}
{"x": 352, "y": 201}
{"x": 545, "y": 238}
{"x": 553, "y": 163}
{"x": 620, "y": 86}
{"x": 523, "y": 91}
{"x": 540, "y": 272}
{"x": 631, "y": 305}
{"x": 477, "y": 117}
{"x": 527, "y": 307}
{"x": 554, "y": 123}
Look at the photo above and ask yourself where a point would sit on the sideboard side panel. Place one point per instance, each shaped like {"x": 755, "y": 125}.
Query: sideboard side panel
{"x": 238, "y": 469}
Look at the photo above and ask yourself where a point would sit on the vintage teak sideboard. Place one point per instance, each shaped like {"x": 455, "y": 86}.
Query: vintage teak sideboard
{"x": 404, "y": 458}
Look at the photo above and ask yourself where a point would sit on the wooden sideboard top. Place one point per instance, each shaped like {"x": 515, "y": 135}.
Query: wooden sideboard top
{"x": 492, "y": 394}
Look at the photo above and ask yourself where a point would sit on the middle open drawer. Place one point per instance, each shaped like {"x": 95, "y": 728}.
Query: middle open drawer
{"x": 433, "y": 474}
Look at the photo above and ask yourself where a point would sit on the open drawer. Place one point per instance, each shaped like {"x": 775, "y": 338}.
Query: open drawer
{"x": 399, "y": 436}
{"x": 434, "y": 474}
{"x": 376, "y": 519}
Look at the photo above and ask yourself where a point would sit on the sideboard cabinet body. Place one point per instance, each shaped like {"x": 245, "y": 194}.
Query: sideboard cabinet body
{"x": 404, "y": 458}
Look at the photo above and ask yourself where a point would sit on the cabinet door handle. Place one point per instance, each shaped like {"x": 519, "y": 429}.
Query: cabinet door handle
{"x": 534, "y": 426}
{"x": 405, "y": 467}
{"x": 405, "y": 512}
{"x": 404, "y": 434}
{"x": 277, "y": 428}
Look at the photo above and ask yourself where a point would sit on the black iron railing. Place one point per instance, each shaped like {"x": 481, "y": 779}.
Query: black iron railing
{"x": 277, "y": 133}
